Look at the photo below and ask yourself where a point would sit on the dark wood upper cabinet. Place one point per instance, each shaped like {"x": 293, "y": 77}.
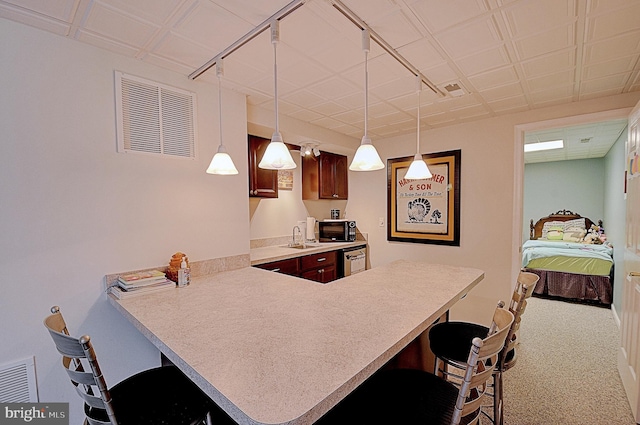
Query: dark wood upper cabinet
{"x": 262, "y": 183}
{"x": 325, "y": 177}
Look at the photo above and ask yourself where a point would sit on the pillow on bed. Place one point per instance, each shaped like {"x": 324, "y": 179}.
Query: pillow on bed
{"x": 548, "y": 225}
{"x": 555, "y": 233}
{"x": 574, "y": 234}
{"x": 575, "y": 223}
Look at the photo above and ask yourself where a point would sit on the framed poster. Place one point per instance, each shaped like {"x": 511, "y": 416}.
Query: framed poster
{"x": 427, "y": 210}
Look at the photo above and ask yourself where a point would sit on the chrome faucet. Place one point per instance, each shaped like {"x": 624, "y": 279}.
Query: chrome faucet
{"x": 293, "y": 237}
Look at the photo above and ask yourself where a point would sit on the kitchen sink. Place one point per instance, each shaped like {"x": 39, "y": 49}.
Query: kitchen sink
{"x": 301, "y": 246}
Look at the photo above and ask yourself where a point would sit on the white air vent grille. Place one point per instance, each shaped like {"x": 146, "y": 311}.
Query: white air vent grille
{"x": 153, "y": 118}
{"x": 18, "y": 382}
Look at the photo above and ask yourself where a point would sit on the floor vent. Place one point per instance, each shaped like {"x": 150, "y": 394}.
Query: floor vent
{"x": 18, "y": 382}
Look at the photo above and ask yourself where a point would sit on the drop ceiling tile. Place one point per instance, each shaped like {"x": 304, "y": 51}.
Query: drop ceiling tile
{"x": 548, "y": 41}
{"x": 396, "y": 28}
{"x": 302, "y": 72}
{"x": 334, "y": 88}
{"x": 156, "y": 11}
{"x": 330, "y": 108}
{"x": 550, "y": 80}
{"x": 342, "y": 56}
{"x": 303, "y": 98}
{"x": 555, "y": 95}
{"x": 548, "y": 64}
{"x": 203, "y": 24}
{"x": 58, "y": 9}
{"x": 108, "y": 44}
{"x": 607, "y": 83}
{"x": 380, "y": 109}
{"x": 470, "y": 38}
{"x": 480, "y": 62}
{"x": 131, "y": 30}
{"x": 242, "y": 73}
{"x": 422, "y": 54}
{"x": 327, "y": 122}
{"x": 370, "y": 10}
{"x": 494, "y": 78}
{"x": 305, "y": 115}
{"x": 397, "y": 88}
{"x": 515, "y": 103}
{"x": 182, "y": 50}
{"x": 34, "y": 19}
{"x": 532, "y": 17}
{"x": 441, "y": 74}
{"x": 611, "y": 67}
{"x": 350, "y": 117}
{"x": 252, "y": 11}
{"x": 624, "y": 45}
{"x": 307, "y": 33}
{"x": 502, "y": 92}
{"x": 439, "y": 15}
{"x": 614, "y": 23}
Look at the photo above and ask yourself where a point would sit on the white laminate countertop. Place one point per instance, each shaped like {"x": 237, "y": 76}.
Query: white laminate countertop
{"x": 276, "y": 349}
{"x": 268, "y": 254}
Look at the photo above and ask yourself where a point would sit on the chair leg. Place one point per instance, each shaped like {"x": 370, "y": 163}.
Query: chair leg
{"x": 498, "y": 415}
{"x": 208, "y": 419}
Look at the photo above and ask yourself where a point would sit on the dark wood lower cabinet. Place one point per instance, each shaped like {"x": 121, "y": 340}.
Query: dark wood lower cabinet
{"x": 320, "y": 267}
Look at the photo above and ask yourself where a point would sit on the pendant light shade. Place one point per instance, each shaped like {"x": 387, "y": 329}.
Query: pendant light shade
{"x": 418, "y": 169}
{"x": 277, "y": 155}
{"x": 221, "y": 163}
{"x": 366, "y": 157}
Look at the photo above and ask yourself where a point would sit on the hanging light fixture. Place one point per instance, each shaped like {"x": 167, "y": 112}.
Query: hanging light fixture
{"x": 418, "y": 168}
{"x": 221, "y": 163}
{"x": 277, "y": 156}
{"x": 366, "y": 157}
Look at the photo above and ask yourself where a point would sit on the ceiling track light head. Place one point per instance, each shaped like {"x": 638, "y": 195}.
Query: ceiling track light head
{"x": 275, "y": 31}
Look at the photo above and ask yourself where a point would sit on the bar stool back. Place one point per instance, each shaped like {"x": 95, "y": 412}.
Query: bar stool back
{"x": 157, "y": 396}
{"x": 411, "y": 396}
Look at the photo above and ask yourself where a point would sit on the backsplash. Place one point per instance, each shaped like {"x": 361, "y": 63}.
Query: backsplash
{"x": 198, "y": 268}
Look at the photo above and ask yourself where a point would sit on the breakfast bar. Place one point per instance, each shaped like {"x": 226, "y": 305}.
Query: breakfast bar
{"x": 275, "y": 349}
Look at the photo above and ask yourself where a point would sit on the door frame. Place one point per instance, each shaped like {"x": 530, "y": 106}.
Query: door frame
{"x": 518, "y": 161}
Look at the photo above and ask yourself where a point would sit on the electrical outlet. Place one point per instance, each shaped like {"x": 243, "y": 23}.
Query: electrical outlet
{"x": 381, "y": 221}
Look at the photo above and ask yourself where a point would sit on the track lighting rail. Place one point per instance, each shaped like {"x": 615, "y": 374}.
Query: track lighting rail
{"x": 344, "y": 10}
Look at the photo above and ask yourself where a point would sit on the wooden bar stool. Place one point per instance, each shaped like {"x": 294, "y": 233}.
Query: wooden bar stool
{"x": 157, "y": 396}
{"x": 449, "y": 341}
{"x": 411, "y": 396}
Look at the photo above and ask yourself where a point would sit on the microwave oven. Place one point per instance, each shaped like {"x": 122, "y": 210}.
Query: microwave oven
{"x": 337, "y": 231}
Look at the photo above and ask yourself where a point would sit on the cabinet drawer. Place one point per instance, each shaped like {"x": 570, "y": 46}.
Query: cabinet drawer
{"x": 318, "y": 260}
{"x": 289, "y": 266}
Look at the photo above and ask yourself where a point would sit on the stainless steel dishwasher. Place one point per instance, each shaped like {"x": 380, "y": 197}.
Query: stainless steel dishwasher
{"x": 354, "y": 260}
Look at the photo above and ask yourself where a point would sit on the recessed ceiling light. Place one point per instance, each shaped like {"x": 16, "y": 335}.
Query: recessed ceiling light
{"x": 543, "y": 146}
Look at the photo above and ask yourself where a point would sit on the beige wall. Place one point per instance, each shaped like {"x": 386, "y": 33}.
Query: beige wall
{"x": 489, "y": 225}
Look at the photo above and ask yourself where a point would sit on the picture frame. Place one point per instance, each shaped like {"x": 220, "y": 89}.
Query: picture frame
{"x": 428, "y": 210}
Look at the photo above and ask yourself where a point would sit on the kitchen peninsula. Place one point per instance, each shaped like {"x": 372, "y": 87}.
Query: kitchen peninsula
{"x": 274, "y": 349}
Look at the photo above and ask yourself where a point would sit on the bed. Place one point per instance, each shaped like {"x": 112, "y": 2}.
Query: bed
{"x": 572, "y": 257}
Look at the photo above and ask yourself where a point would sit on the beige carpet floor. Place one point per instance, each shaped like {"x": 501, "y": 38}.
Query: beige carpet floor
{"x": 566, "y": 371}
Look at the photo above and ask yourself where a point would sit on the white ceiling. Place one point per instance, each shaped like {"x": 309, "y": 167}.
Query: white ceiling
{"x": 508, "y": 55}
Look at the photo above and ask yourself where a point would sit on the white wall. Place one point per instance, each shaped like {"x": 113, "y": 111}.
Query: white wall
{"x": 73, "y": 210}
{"x": 578, "y": 186}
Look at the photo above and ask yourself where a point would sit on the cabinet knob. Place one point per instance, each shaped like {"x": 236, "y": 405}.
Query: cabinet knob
{"x": 320, "y": 270}
{"x": 335, "y": 195}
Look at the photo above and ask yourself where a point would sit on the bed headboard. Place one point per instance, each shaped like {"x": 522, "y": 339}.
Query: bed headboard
{"x": 535, "y": 230}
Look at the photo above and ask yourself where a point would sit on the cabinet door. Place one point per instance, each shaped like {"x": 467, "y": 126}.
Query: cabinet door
{"x": 340, "y": 181}
{"x": 327, "y": 176}
{"x": 262, "y": 183}
{"x": 324, "y": 274}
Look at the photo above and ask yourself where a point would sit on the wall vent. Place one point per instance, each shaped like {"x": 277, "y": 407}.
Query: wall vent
{"x": 18, "y": 382}
{"x": 154, "y": 118}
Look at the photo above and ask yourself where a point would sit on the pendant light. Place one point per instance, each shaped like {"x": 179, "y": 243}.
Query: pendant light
{"x": 277, "y": 156}
{"x": 221, "y": 163}
{"x": 418, "y": 169}
{"x": 366, "y": 157}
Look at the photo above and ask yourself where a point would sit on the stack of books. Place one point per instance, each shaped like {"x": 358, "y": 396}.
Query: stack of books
{"x": 134, "y": 284}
